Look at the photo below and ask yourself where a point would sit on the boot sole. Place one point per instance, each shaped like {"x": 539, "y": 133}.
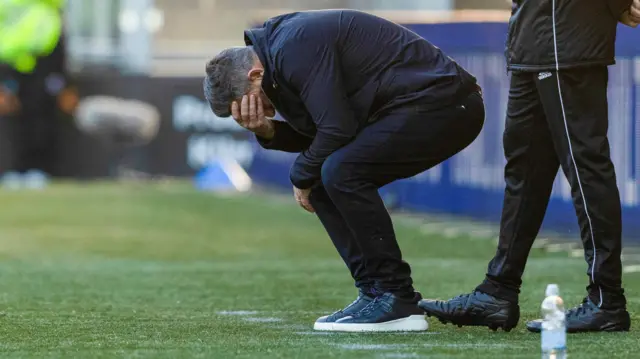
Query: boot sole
{"x": 609, "y": 328}
{"x": 413, "y": 323}
{"x": 616, "y": 327}
{"x": 489, "y": 321}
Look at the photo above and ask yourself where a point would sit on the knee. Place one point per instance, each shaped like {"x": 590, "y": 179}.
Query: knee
{"x": 333, "y": 173}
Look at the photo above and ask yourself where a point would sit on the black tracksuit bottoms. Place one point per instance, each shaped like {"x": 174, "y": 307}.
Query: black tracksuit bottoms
{"x": 402, "y": 143}
{"x": 559, "y": 120}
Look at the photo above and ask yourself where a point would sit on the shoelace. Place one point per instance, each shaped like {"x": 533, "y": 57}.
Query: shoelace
{"x": 461, "y": 296}
{"x": 350, "y": 305}
{"x": 368, "y": 309}
{"x": 579, "y": 310}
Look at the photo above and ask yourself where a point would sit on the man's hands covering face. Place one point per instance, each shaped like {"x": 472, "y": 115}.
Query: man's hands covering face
{"x": 250, "y": 115}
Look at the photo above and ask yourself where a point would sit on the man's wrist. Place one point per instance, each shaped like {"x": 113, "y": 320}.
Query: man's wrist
{"x": 626, "y": 20}
{"x": 268, "y": 133}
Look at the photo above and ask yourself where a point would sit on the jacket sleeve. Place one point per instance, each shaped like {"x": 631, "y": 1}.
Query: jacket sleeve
{"x": 313, "y": 68}
{"x": 285, "y": 139}
{"x": 618, "y": 7}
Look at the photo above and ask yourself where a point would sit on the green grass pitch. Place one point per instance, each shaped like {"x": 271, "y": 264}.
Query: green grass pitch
{"x": 162, "y": 271}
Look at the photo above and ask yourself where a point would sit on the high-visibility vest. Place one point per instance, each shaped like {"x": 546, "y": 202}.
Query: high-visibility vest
{"x": 28, "y": 29}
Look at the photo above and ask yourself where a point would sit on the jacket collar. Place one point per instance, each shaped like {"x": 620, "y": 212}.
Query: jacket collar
{"x": 258, "y": 38}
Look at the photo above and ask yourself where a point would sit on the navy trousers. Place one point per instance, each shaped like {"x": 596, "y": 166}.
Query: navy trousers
{"x": 404, "y": 142}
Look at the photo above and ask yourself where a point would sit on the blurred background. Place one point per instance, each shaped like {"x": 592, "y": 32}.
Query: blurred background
{"x": 119, "y": 97}
{"x": 135, "y": 223}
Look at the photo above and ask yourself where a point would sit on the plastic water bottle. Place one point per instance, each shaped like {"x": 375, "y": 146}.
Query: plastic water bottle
{"x": 554, "y": 331}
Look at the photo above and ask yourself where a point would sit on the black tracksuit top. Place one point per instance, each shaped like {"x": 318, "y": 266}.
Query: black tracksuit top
{"x": 576, "y": 33}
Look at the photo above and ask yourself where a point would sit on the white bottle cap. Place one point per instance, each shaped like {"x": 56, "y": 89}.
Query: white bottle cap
{"x": 552, "y": 289}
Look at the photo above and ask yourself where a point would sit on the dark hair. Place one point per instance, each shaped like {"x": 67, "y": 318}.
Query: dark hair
{"x": 227, "y": 79}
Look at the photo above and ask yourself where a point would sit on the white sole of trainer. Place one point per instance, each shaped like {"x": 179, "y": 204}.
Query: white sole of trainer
{"x": 413, "y": 323}
{"x": 322, "y": 326}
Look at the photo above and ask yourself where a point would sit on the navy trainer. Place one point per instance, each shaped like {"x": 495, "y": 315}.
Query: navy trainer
{"x": 386, "y": 313}
{"x": 325, "y": 323}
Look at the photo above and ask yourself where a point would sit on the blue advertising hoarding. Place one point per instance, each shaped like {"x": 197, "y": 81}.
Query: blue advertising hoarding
{"x": 471, "y": 183}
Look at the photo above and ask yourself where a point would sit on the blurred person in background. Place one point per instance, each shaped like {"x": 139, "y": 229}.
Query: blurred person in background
{"x": 366, "y": 102}
{"x": 34, "y": 85}
{"x": 558, "y": 52}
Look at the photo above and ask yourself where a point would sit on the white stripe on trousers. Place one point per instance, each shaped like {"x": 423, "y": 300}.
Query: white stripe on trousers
{"x": 575, "y": 165}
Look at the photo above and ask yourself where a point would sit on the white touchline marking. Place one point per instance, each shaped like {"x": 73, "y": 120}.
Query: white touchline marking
{"x": 577, "y": 253}
{"x": 452, "y": 232}
{"x": 483, "y": 234}
{"x": 432, "y": 228}
{"x": 400, "y": 355}
{"x": 631, "y": 269}
{"x": 469, "y": 345}
{"x": 237, "y": 312}
{"x": 262, "y": 320}
{"x": 560, "y": 247}
{"x": 291, "y": 326}
{"x": 314, "y": 312}
{"x": 372, "y": 346}
{"x": 253, "y": 312}
{"x": 425, "y": 345}
{"x": 540, "y": 243}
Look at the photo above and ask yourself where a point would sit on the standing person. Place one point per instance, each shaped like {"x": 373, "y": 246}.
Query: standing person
{"x": 557, "y": 116}
{"x": 36, "y": 80}
{"x": 365, "y": 102}
{"x": 43, "y": 93}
